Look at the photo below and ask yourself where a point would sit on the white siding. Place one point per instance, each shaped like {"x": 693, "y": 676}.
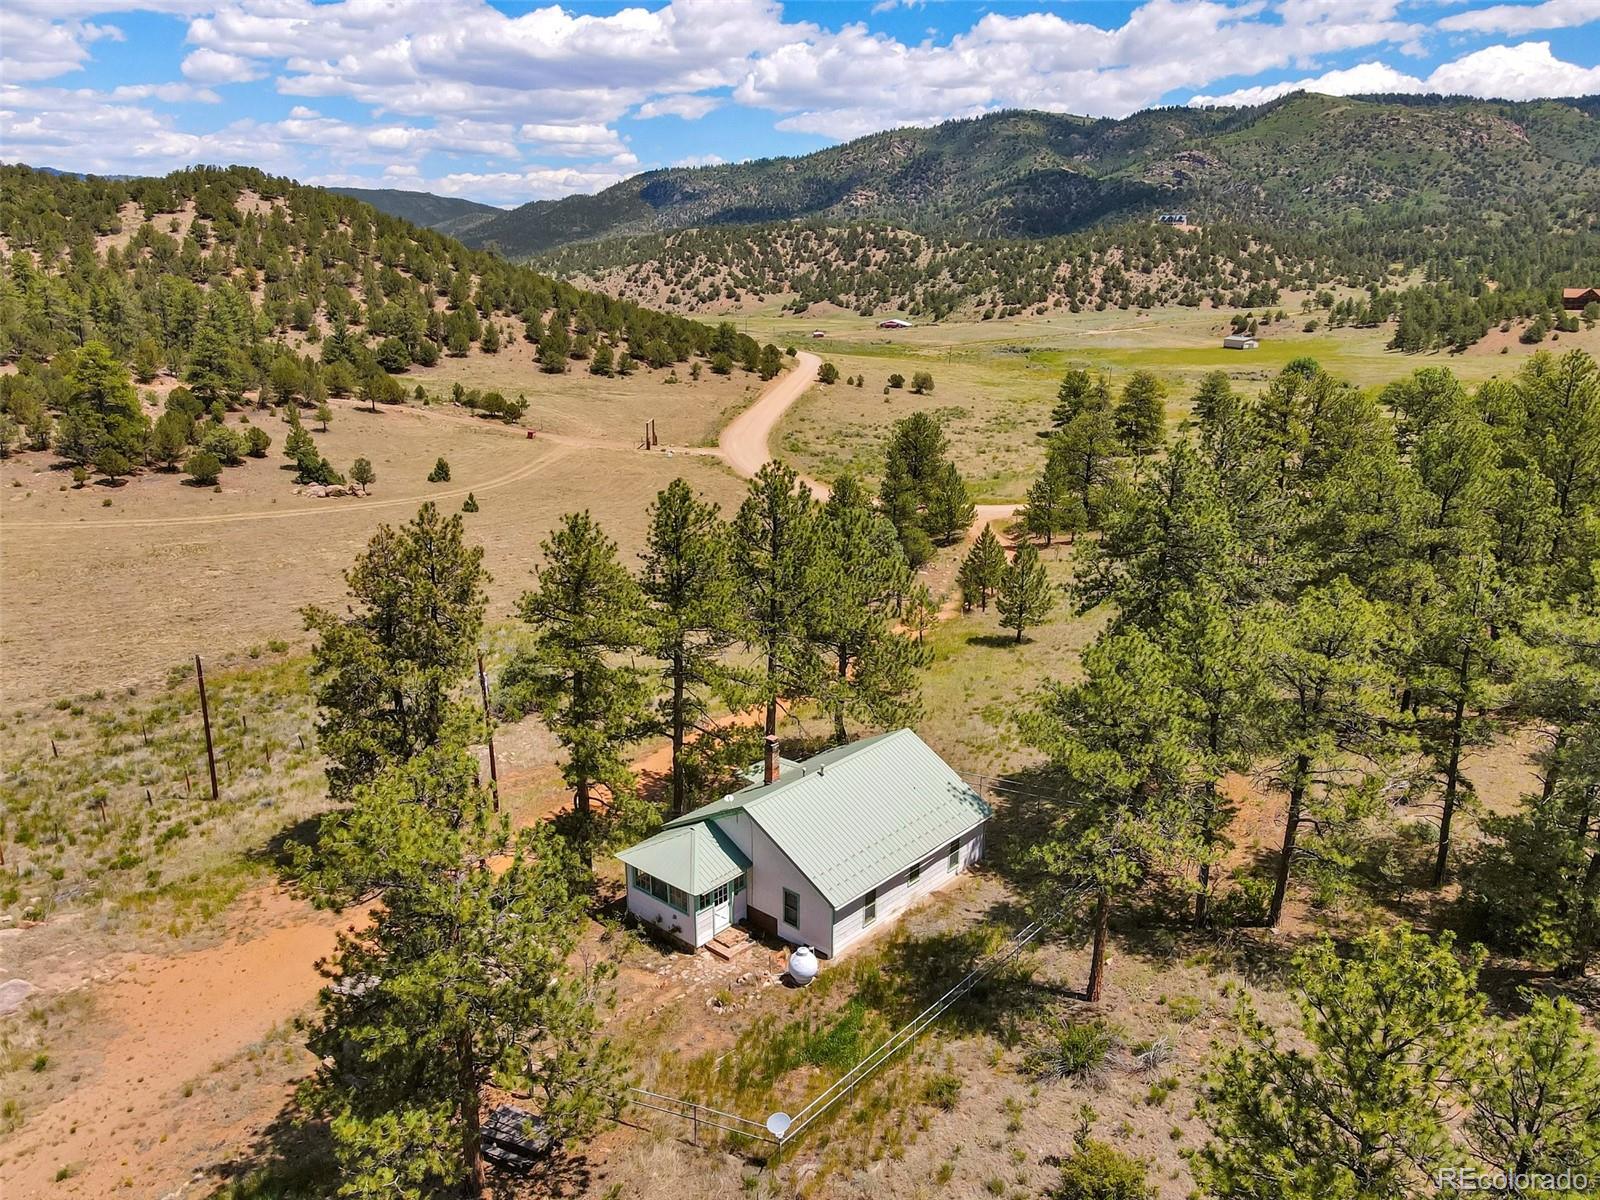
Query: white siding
{"x": 771, "y": 872}
{"x": 894, "y": 896}
{"x": 663, "y": 916}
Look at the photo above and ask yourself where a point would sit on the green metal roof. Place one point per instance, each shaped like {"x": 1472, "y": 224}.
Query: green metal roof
{"x": 734, "y": 801}
{"x": 854, "y": 815}
{"x": 694, "y": 858}
{"x": 860, "y": 813}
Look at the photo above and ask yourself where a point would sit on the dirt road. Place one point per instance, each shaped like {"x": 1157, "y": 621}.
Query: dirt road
{"x": 174, "y": 1089}
{"x": 745, "y": 440}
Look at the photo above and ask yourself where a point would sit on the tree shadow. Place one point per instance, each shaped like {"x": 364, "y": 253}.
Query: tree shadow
{"x": 291, "y": 1158}
{"x": 996, "y": 641}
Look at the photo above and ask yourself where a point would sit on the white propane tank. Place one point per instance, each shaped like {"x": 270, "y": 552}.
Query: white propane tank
{"x": 802, "y": 965}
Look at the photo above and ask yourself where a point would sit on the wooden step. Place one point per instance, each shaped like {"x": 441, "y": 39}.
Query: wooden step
{"x": 730, "y": 942}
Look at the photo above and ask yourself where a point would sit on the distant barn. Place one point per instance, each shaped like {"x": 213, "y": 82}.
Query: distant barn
{"x": 1240, "y": 341}
{"x": 1578, "y": 299}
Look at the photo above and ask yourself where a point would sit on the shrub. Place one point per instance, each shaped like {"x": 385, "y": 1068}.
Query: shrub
{"x": 203, "y": 467}
{"x": 440, "y": 472}
{"x": 470, "y": 504}
{"x": 225, "y": 443}
{"x": 827, "y": 373}
{"x": 943, "y": 1091}
{"x": 1097, "y": 1171}
{"x": 257, "y": 441}
{"x": 897, "y": 380}
{"x": 1071, "y": 1050}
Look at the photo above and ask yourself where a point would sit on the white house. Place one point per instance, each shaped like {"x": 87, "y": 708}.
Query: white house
{"x": 817, "y": 853}
{"x": 1239, "y": 341}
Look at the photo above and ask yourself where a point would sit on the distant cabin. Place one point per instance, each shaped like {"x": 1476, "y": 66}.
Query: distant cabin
{"x": 818, "y": 853}
{"x": 817, "y": 333}
{"x": 894, "y": 323}
{"x": 1240, "y": 341}
{"x": 1578, "y": 299}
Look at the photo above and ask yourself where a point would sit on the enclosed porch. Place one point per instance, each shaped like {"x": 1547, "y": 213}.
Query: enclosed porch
{"x": 689, "y": 883}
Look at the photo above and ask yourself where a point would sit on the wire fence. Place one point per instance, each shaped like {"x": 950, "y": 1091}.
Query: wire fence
{"x": 784, "y": 1133}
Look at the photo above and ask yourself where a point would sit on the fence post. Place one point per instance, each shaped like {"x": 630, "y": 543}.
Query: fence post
{"x": 205, "y": 715}
{"x": 494, "y": 771}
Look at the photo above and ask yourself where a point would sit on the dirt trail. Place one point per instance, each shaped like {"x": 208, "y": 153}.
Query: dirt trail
{"x": 745, "y": 439}
{"x": 172, "y": 1021}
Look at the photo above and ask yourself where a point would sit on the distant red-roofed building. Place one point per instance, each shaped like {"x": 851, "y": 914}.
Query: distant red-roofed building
{"x": 1578, "y": 299}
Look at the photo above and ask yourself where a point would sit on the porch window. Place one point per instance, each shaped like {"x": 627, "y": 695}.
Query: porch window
{"x": 791, "y": 909}
{"x": 955, "y": 855}
{"x": 914, "y": 874}
{"x": 869, "y": 908}
{"x": 738, "y": 886}
{"x": 661, "y": 890}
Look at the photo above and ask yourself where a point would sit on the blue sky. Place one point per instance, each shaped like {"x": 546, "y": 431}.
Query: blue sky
{"x": 507, "y": 102}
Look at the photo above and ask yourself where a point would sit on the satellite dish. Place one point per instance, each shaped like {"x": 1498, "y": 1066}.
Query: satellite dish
{"x": 778, "y": 1124}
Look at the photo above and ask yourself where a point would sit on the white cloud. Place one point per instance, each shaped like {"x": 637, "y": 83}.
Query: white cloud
{"x": 690, "y": 108}
{"x": 215, "y": 66}
{"x": 170, "y": 93}
{"x": 1523, "y": 72}
{"x": 1523, "y": 18}
{"x": 532, "y": 98}
{"x": 34, "y": 47}
{"x": 701, "y": 160}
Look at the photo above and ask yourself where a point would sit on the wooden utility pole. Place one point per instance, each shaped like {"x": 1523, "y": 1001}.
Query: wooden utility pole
{"x": 205, "y": 715}
{"x": 494, "y": 773}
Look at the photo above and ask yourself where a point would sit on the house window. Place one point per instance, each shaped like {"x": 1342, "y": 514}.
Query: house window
{"x": 955, "y": 855}
{"x": 914, "y": 874}
{"x": 791, "y": 909}
{"x": 678, "y": 898}
{"x": 738, "y": 886}
{"x": 717, "y": 895}
{"x": 869, "y": 908}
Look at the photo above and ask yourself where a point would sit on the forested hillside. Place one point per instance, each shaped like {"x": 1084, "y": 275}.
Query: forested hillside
{"x": 1315, "y": 159}
{"x": 1484, "y": 277}
{"x": 234, "y": 282}
{"x": 450, "y": 215}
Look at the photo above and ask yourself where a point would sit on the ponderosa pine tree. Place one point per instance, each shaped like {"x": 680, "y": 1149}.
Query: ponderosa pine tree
{"x": 1360, "y": 1112}
{"x": 459, "y": 982}
{"x": 1026, "y": 595}
{"x": 872, "y": 674}
{"x": 691, "y": 615}
{"x": 388, "y": 675}
{"x": 1463, "y": 650}
{"x": 1214, "y": 661}
{"x": 1079, "y": 392}
{"x": 577, "y": 670}
{"x": 1116, "y": 739}
{"x": 921, "y": 488}
{"x": 1140, "y": 413}
{"x": 1535, "y": 1096}
{"x": 1534, "y": 886}
{"x": 778, "y": 560}
{"x": 1087, "y": 450}
{"x": 1332, "y": 710}
{"x": 982, "y": 569}
{"x": 1053, "y": 507}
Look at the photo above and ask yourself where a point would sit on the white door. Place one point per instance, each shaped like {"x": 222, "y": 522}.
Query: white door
{"x": 721, "y": 910}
